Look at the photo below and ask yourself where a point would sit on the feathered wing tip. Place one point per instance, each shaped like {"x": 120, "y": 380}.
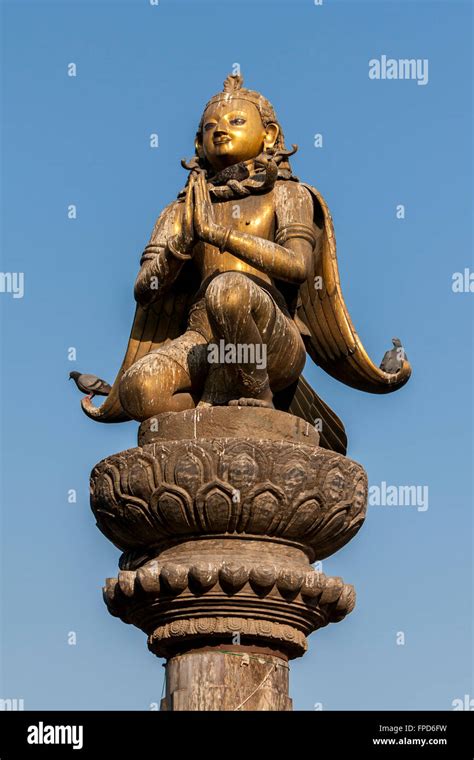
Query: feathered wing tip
{"x": 302, "y": 401}
{"x": 102, "y": 413}
{"x": 233, "y": 82}
{"x": 111, "y": 410}
{"x": 334, "y": 344}
{"x": 151, "y": 328}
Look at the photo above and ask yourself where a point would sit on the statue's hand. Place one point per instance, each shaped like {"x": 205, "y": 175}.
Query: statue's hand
{"x": 204, "y": 223}
{"x": 183, "y": 242}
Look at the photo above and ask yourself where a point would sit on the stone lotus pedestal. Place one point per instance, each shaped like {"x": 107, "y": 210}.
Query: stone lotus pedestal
{"x": 220, "y": 512}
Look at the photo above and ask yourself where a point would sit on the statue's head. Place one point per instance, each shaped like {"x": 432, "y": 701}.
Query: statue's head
{"x": 239, "y": 125}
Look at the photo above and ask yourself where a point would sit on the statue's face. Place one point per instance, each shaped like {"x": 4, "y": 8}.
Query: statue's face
{"x": 233, "y": 131}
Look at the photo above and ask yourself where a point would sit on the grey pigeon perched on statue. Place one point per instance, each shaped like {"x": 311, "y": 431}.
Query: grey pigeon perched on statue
{"x": 90, "y": 384}
{"x": 393, "y": 360}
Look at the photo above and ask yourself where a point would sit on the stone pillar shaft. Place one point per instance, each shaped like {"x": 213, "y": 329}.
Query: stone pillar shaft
{"x": 227, "y": 680}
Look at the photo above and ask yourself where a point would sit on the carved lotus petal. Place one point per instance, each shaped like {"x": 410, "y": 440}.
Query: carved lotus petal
{"x": 173, "y": 509}
{"x": 141, "y": 478}
{"x": 312, "y": 585}
{"x": 189, "y": 464}
{"x": 304, "y": 519}
{"x": 242, "y": 467}
{"x": 334, "y": 485}
{"x": 233, "y": 576}
{"x": 290, "y": 580}
{"x": 110, "y": 590}
{"x": 359, "y": 496}
{"x": 126, "y": 580}
{"x": 265, "y": 507}
{"x": 346, "y": 601}
{"x": 203, "y": 575}
{"x": 354, "y": 525}
{"x": 263, "y": 577}
{"x": 293, "y": 475}
{"x": 332, "y": 590}
{"x": 105, "y": 486}
{"x": 149, "y": 577}
{"x": 174, "y": 577}
{"x": 189, "y": 473}
{"x": 215, "y": 506}
{"x": 101, "y": 489}
{"x": 120, "y": 516}
{"x": 241, "y": 487}
{"x": 332, "y": 531}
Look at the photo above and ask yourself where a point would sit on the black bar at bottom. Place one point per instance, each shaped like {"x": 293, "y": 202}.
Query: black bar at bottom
{"x": 305, "y": 734}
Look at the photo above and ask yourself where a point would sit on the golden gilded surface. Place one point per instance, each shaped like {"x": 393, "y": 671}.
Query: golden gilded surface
{"x": 244, "y": 257}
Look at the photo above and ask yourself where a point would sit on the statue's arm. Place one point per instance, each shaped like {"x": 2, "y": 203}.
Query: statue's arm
{"x": 288, "y": 263}
{"x": 289, "y": 257}
{"x": 162, "y": 259}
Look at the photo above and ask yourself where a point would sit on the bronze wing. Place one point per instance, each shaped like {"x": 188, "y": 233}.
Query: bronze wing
{"x": 164, "y": 320}
{"x": 333, "y": 343}
{"x": 302, "y": 401}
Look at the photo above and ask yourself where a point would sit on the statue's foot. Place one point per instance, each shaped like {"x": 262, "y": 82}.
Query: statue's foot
{"x": 202, "y": 403}
{"x": 251, "y": 402}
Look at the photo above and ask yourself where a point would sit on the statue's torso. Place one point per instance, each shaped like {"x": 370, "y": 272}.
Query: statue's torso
{"x": 254, "y": 214}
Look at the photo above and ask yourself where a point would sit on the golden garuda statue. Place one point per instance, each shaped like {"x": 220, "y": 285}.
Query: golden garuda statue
{"x": 238, "y": 282}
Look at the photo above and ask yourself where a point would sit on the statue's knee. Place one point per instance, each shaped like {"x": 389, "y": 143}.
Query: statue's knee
{"x": 227, "y": 292}
{"x": 132, "y": 390}
{"x": 148, "y": 387}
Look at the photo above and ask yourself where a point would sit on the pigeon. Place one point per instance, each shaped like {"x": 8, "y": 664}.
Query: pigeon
{"x": 90, "y": 384}
{"x": 393, "y": 360}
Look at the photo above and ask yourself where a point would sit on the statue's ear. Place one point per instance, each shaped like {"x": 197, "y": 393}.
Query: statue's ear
{"x": 272, "y": 131}
{"x": 198, "y": 145}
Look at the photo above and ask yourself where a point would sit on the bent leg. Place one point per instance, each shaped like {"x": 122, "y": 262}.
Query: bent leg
{"x": 168, "y": 379}
{"x": 286, "y": 353}
{"x": 268, "y": 348}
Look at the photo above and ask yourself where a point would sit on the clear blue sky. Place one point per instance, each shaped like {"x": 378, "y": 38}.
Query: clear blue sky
{"x": 85, "y": 141}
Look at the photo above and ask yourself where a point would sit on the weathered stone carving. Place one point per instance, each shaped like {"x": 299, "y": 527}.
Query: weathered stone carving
{"x": 145, "y": 496}
{"x": 218, "y": 534}
{"x": 162, "y": 599}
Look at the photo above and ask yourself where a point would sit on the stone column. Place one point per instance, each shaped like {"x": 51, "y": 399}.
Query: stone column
{"x": 227, "y": 679}
{"x": 220, "y": 513}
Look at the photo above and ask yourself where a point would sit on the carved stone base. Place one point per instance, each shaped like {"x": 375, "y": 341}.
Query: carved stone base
{"x": 218, "y": 532}
{"x": 216, "y": 591}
